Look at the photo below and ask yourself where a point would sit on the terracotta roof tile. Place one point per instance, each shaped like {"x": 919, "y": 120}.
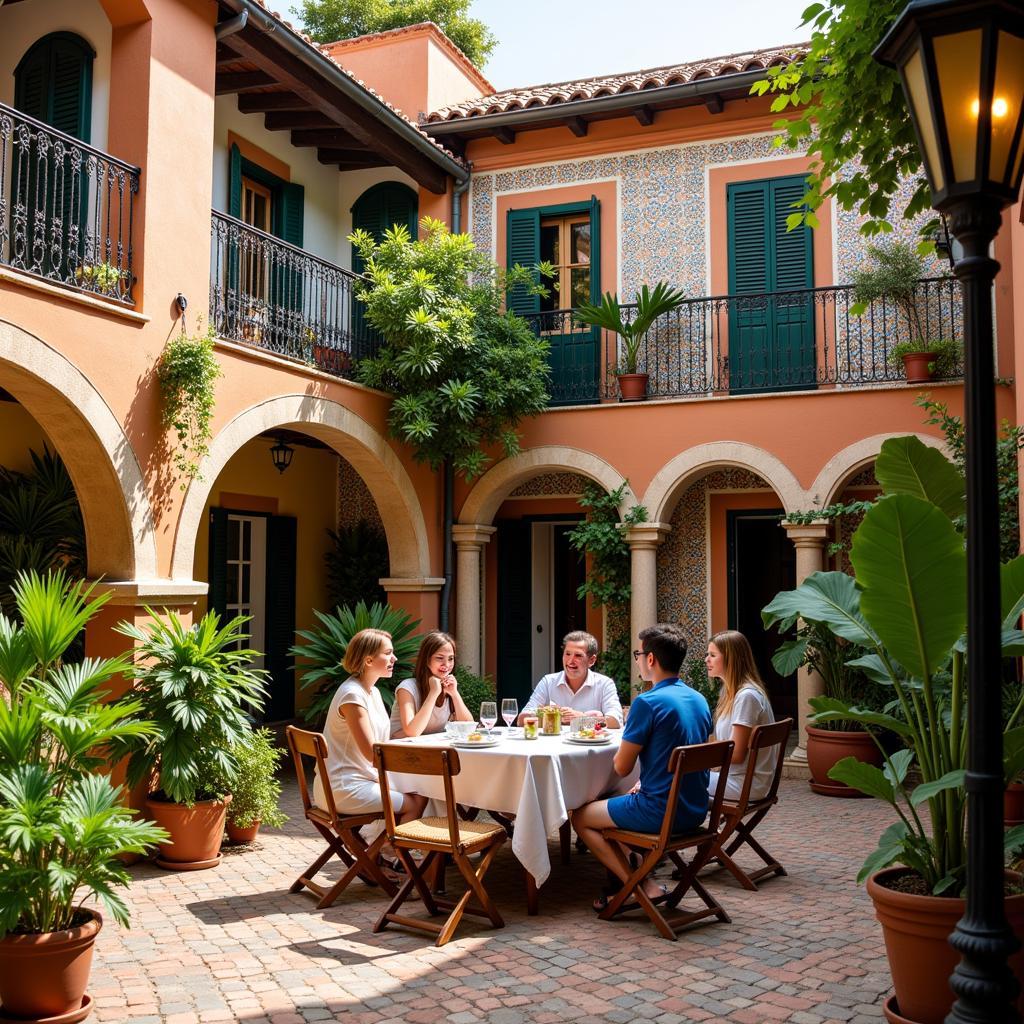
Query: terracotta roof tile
{"x": 617, "y": 85}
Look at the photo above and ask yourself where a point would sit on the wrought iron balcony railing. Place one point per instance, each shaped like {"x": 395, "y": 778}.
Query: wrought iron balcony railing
{"x": 272, "y": 295}
{"x": 65, "y": 209}
{"x": 745, "y": 344}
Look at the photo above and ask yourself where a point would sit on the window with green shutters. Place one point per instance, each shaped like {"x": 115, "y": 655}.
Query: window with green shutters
{"x": 575, "y": 349}
{"x": 771, "y": 333}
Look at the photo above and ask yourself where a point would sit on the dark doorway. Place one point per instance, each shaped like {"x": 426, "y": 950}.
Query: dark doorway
{"x": 569, "y": 612}
{"x": 762, "y": 561}
{"x": 515, "y": 580}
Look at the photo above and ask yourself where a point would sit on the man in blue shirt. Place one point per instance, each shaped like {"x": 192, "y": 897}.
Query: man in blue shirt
{"x": 669, "y": 715}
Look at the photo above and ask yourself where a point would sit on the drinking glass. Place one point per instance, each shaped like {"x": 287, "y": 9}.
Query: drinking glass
{"x": 509, "y": 710}
{"x": 488, "y": 715}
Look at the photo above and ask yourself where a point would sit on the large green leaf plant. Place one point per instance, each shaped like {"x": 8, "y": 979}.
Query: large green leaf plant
{"x": 907, "y": 608}
{"x": 63, "y": 826}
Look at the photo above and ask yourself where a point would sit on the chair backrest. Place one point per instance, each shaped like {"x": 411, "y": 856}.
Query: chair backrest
{"x": 764, "y": 737}
{"x": 412, "y": 759}
{"x": 698, "y": 757}
{"x": 303, "y": 743}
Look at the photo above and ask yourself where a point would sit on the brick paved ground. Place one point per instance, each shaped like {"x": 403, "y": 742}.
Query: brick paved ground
{"x": 232, "y": 944}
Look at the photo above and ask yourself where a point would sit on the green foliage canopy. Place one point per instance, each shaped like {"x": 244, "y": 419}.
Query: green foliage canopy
{"x": 464, "y": 371}
{"x": 329, "y": 20}
{"x": 849, "y": 114}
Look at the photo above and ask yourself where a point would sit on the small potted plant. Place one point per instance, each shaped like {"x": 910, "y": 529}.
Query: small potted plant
{"x": 104, "y": 278}
{"x": 924, "y": 360}
{"x": 63, "y": 823}
{"x": 649, "y": 306}
{"x": 255, "y": 791}
{"x": 194, "y": 682}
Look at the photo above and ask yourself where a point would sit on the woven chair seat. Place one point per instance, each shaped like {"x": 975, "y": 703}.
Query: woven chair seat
{"x": 435, "y": 830}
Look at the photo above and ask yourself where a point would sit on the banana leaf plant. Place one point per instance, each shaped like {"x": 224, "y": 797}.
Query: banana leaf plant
{"x": 906, "y": 606}
{"x": 649, "y": 306}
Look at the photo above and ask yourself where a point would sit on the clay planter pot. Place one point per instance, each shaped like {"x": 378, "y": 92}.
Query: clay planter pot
{"x": 196, "y": 833}
{"x": 1013, "y": 804}
{"x": 826, "y": 747}
{"x": 633, "y": 386}
{"x": 243, "y": 835}
{"x": 915, "y": 366}
{"x": 916, "y": 931}
{"x": 44, "y": 976}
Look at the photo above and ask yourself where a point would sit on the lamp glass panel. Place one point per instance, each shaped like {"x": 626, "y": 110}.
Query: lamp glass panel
{"x": 958, "y": 64}
{"x": 1006, "y": 103}
{"x": 913, "y": 75}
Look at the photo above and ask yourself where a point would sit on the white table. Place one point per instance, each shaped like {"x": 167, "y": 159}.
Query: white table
{"x": 539, "y": 781}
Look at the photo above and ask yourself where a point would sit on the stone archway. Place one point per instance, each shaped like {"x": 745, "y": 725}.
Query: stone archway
{"x": 350, "y": 436}
{"x": 119, "y": 529}
{"x": 833, "y": 475}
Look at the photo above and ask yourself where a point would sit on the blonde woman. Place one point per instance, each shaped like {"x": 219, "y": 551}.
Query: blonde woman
{"x": 742, "y": 704}
{"x": 357, "y": 719}
{"x": 427, "y": 701}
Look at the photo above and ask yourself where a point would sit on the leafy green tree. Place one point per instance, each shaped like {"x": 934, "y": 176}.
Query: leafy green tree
{"x": 330, "y": 20}
{"x": 849, "y": 114}
{"x": 464, "y": 371}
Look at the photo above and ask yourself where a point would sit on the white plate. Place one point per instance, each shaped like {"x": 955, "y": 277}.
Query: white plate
{"x": 588, "y": 742}
{"x": 471, "y": 745}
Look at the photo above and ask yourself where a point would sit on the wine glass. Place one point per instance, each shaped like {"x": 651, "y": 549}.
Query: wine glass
{"x": 509, "y": 711}
{"x": 488, "y": 715}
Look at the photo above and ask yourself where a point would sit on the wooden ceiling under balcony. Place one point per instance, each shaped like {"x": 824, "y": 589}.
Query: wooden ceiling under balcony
{"x": 292, "y": 97}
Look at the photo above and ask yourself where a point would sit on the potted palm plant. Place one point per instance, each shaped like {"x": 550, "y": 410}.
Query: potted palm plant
{"x": 62, "y": 822}
{"x": 196, "y": 685}
{"x": 255, "y": 791}
{"x": 649, "y": 306}
{"x": 907, "y": 609}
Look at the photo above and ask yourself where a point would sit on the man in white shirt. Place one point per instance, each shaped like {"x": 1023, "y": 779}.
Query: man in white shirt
{"x": 577, "y": 689}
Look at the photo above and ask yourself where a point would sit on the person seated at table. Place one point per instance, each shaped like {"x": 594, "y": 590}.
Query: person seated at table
{"x": 669, "y": 715}
{"x": 426, "y": 702}
{"x": 356, "y": 719}
{"x": 742, "y": 704}
{"x": 577, "y": 689}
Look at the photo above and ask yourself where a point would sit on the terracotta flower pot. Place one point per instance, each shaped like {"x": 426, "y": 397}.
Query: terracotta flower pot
{"x": 916, "y": 366}
{"x": 1013, "y": 804}
{"x": 45, "y": 975}
{"x": 196, "y": 832}
{"x": 633, "y": 386}
{"x": 243, "y": 835}
{"x": 916, "y": 931}
{"x": 826, "y": 747}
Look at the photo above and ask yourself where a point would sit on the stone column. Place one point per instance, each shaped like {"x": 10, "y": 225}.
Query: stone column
{"x": 418, "y": 596}
{"x": 809, "y": 539}
{"x": 644, "y": 541}
{"x": 469, "y": 549}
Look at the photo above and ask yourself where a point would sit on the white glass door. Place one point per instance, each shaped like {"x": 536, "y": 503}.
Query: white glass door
{"x": 247, "y": 576}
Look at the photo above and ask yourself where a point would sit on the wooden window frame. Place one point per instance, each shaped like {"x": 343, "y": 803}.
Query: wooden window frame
{"x": 565, "y": 224}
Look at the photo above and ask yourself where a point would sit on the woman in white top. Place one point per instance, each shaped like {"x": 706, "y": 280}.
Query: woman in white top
{"x": 430, "y": 699}
{"x": 358, "y": 719}
{"x": 742, "y": 704}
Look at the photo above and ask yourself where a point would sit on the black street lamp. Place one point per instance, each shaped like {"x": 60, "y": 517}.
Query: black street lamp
{"x": 962, "y": 66}
{"x": 282, "y": 454}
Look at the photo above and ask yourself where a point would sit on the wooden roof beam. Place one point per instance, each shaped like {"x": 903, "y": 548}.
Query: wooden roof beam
{"x": 261, "y": 102}
{"x": 289, "y": 120}
{"x": 578, "y": 126}
{"x": 714, "y": 103}
{"x": 241, "y": 81}
{"x": 505, "y": 136}
{"x": 305, "y": 82}
{"x": 326, "y": 138}
{"x": 644, "y": 115}
{"x": 350, "y": 159}
{"x": 225, "y": 55}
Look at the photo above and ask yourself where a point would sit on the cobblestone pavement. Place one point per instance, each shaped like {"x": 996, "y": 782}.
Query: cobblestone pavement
{"x": 232, "y": 944}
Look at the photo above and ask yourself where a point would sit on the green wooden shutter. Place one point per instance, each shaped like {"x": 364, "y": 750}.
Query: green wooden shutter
{"x": 280, "y": 617}
{"x": 235, "y": 182}
{"x": 792, "y": 264}
{"x": 31, "y": 79}
{"x": 749, "y": 269}
{"x": 522, "y": 238}
{"x": 217, "y": 562}
{"x": 515, "y": 584}
{"x": 595, "y": 250}
{"x": 53, "y": 83}
{"x": 290, "y": 213}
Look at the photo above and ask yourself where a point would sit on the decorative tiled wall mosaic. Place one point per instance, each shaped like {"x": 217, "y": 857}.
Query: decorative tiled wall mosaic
{"x": 549, "y": 485}
{"x": 354, "y": 499}
{"x": 682, "y": 559}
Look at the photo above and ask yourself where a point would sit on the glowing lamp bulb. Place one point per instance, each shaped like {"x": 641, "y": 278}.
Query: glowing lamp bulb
{"x": 1000, "y": 108}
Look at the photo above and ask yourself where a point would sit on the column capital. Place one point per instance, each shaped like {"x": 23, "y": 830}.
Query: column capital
{"x": 411, "y": 584}
{"x": 809, "y": 535}
{"x": 158, "y": 593}
{"x": 646, "y": 535}
{"x": 471, "y": 534}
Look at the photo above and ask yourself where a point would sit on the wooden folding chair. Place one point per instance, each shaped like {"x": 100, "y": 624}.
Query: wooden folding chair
{"x": 437, "y": 837}
{"x": 740, "y": 818}
{"x": 341, "y": 831}
{"x": 699, "y": 757}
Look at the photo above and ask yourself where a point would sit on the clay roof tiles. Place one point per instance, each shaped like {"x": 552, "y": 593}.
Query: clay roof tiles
{"x": 617, "y": 85}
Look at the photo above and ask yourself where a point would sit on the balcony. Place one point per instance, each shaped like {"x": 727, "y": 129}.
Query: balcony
{"x": 750, "y": 344}
{"x": 65, "y": 209}
{"x": 274, "y": 296}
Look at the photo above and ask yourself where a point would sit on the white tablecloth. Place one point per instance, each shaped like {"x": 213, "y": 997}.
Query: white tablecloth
{"x": 539, "y": 781}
